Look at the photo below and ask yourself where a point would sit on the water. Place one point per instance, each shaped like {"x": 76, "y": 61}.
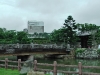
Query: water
{"x": 71, "y": 62}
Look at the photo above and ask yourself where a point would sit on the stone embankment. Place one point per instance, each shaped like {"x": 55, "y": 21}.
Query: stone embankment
{"x": 88, "y": 54}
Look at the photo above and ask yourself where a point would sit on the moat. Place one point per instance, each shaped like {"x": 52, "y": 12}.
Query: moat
{"x": 85, "y": 62}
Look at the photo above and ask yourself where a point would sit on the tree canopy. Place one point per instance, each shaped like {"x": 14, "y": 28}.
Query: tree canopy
{"x": 66, "y": 34}
{"x": 13, "y": 37}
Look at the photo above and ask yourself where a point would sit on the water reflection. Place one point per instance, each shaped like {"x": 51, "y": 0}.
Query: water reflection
{"x": 71, "y": 62}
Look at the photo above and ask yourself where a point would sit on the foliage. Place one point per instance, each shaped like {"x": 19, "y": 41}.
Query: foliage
{"x": 39, "y": 39}
{"x": 89, "y": 42}
{"x": 97, "y": 37}
{"x": 7, "y": 36}
{"x": 98, "y": 51}
{"x": 11, "y": 36}
{"x": 87, "y": 27}
{"x": 39, "y": 35}
{"x": 58, "y": 35}
{"x": 79, "y": 50}
{"x": 70, "y": 27}
{"x": 66, "y": 34}
{"x": 22, "y": 37}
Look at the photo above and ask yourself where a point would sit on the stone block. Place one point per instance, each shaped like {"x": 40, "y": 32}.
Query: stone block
{"x": 35, "y": 73}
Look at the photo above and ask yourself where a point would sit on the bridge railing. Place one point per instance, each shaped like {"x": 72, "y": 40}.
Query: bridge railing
{"x": 7, "y": 46}
{"x": 20, "y": 48}
{"x": 55, "y": 66}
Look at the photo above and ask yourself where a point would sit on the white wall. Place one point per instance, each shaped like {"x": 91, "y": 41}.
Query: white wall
{"x": 35, "y": 27}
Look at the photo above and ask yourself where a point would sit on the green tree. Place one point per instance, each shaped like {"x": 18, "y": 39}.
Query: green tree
{"x": 40, "y": 35}
{"x": 2, "y": 35}
{"x": 87, "y": 27}
{"x": 58, "y": 36}
{"x": 97, "y": 36}
{"x": 46, "y": 35}
{"x": 70, "y": 26}
{"x": 35, "y": 34}
{"x": 10, "y": 36}
{"x": 22, "y": 37}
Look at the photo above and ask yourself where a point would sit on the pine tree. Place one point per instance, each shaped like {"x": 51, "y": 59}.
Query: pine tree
{"x": 71, "y": 27}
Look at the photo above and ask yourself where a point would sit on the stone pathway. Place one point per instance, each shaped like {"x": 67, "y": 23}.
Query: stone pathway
{"x": 28, "y": 65}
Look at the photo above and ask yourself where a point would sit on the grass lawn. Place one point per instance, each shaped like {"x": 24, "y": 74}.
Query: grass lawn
{"x": 8, "y": 72}
{"x": 11, "y": 72}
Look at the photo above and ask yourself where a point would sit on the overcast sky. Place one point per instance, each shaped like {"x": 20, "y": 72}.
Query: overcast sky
{"x": 14, "y": 14}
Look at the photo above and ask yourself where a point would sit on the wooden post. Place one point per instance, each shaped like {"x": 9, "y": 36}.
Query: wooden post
{"x": 44, "y": 72}
{"x": 19, "y": 64}
{"x": 6, "y": 63}
{"x": 35, "y": 65}
{"x": 12, "y": 67}
{"x": 55, "y": 68}
{"x": 80, "y": 68}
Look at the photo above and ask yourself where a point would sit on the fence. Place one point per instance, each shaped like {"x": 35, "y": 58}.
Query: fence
{"x": 6, "y": 65}
{"x": 54, "y": 65}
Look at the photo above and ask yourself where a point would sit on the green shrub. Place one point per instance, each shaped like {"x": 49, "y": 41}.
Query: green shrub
{"x": 98, "y": 51}
{"x": 79, "y": 50}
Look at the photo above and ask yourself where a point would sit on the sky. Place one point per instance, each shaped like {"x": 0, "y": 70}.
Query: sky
{"x": 14, "y": 14}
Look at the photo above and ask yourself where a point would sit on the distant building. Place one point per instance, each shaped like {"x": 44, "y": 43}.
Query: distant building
{"x": 35, "y": 26}
{"x": 25, "y": 30}
{"x": 84, "y": 38}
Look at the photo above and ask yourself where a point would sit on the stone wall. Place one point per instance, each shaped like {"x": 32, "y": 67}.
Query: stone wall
{"x": 88, "y": 53}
